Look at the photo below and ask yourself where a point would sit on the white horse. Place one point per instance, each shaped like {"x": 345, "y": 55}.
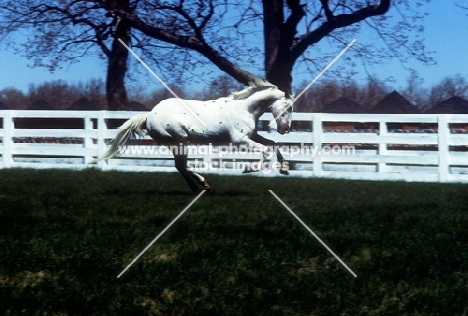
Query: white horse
{"x": 230, "y": 120}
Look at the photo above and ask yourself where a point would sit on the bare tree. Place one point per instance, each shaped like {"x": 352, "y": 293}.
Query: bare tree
{"x": 57, "y": 93}
{"x": 448, "y": 87}
{"x": 94, "y": 91}
{"x": 282, "y": 44}
{"x": 374, "y": 91}
{"x": 321, "y": 94}
{"x": 13, "y": 98}
{"x": 326, "y": 91}
{"x": 289, "y": 29}
{"x": 183, "y": 34}
{"x": 162, "y": 94}
{"x": 414, "y": 92}
{"x": 65, "y": 31}
{"x": 221, "y": 86}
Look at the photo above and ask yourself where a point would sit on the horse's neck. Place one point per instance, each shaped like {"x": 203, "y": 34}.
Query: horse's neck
{"x": 258, "y": 106}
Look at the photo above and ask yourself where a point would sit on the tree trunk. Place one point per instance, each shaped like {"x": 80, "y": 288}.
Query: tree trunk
{"x": 279, "y": 36}
{"x": 117, "y": 67}
{"x": 279, "y": 74}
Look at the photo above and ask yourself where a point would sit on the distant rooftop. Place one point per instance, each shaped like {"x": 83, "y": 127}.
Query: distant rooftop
{"x": 3, "y": 106}
{"x": 453, "y": 105}
{"x": 82, "y": 104}
{"x": 394, "y": 103}
{"x": 41, "y": 105}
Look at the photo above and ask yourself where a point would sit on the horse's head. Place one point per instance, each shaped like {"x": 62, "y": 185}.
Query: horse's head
{"x": 266, "y": 96}
{"x": 282, "y": 111}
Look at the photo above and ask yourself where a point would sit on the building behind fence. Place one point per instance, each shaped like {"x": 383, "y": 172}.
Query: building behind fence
{"x": 409, "y": 147}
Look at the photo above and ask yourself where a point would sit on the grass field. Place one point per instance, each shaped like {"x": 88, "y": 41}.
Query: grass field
{"x": 66, "y": 235}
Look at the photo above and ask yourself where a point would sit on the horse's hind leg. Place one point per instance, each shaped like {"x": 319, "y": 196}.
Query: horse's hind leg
{"x": 201, "y": 180}
{"x": 181, "y": 166}
{"x": 189, "y": 176}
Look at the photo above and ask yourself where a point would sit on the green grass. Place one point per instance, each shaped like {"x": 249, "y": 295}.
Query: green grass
{"x": 66, "y": 235}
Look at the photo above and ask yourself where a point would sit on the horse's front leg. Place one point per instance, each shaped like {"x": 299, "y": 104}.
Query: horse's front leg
{"x": 268, "y": 142}
{"x": 256, "y": 147}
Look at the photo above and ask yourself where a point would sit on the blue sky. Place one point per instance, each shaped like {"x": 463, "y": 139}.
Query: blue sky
{"x": 446, "y": 33}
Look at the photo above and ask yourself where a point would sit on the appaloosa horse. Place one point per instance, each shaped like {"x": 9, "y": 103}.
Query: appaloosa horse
{"x": 230, "y": 120}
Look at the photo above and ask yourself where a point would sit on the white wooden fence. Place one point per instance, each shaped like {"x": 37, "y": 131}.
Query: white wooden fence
{"x": 430, "y": 147}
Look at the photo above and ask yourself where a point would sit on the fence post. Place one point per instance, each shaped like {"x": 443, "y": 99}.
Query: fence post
{"x": 101, "y": 138}
{"x": 8, "y": 143}
{"x": 87, "y": 141}
{"x": 443, "y": 147}
{"x": 382, "y": 151}
{"x": 317, "y": 130}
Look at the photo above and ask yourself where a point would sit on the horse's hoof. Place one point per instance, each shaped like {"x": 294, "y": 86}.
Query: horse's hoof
{"x": 209, "y": 190}
{"x": 284, "y": 168}
{"x": 249, "y": 169}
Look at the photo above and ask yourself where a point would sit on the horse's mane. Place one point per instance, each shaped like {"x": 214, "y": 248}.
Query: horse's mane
{"x": 251, "y": 89}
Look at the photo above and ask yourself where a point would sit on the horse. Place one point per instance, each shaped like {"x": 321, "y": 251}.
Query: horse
{"x": 231, "y": 120}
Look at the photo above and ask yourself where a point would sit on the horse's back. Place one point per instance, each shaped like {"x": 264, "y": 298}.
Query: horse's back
{"x": 220, "y": 121}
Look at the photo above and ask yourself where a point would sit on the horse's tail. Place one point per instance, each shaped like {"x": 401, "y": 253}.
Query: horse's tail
{"x": 130, "y": 129}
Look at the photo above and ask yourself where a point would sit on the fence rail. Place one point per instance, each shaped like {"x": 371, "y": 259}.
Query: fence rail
{"x": 420, "y": 147}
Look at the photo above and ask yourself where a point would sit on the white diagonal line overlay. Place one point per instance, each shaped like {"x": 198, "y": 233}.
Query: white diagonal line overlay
{"x": 162, "y": 82}
{"x": 161, "y": 233}
{"x": 313, "y": 234}
{"x": 313, "y": 81}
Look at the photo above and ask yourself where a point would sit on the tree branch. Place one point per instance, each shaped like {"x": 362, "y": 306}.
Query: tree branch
{"x": 290, "y": 26}
{"x": 338, "y": 21}
{"x": 191, "y": 42}
{"x": 326, "y": 9}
